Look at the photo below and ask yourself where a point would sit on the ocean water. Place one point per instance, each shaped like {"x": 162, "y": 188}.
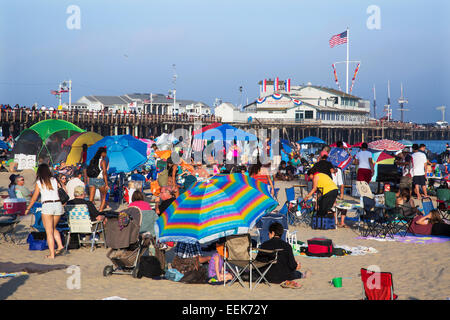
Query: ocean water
{"x": 435, "y": 146}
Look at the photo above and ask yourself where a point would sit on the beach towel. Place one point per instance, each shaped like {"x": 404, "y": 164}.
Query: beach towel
{"x": 10, "y": 275}
{"x": 10, "y": 267}
{"x": 409, "y": 238}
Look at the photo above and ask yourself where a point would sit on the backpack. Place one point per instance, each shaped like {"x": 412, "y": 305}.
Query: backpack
{"x": 320, "y": 247}
{"x": 93, "y": 169}
{"x": 149, "y": 267}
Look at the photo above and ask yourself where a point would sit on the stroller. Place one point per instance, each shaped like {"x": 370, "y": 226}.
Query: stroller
{"x": 126, "y": 243}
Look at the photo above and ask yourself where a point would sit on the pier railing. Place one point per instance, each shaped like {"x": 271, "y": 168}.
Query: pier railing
{"x": 27, "y": 116}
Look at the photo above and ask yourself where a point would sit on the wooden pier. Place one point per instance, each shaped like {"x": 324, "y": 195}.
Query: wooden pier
{"x": 15, "y": 121}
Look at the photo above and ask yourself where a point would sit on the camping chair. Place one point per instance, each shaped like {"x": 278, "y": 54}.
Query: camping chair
{"x": 377, "y": 285}
{"x": 8, "y": 223}
{"x": 443, "y": 200}
{"x": 140, "y": 177}
{"x": 80, "y": 222}
{"x": 289, "y": 208}
{"x": 427, "y": 206}
{"x": 264, "y": 223}
{"x": 370, "y": 219}
{"x": 38, "y": 225}
{"x": 238, "y": 254}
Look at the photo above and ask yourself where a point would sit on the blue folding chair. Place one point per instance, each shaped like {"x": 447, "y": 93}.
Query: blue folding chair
{"x": 264, "y": 223}
{"x": 140, "y": 177}
{"x": 427, "y": 206}
{"x": 38, "y": 225}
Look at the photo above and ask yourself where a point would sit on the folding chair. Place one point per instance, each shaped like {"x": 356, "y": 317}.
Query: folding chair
{"x": 289, "y": 208}
{"x": 371, "y": 219}
{"x": 8, "y": 223}
{"x": 38, "y": 225}
{"x": 80, "y": 222}
{"x": 263, "y": 224}
{"x": 427, "y": 206}
{"x": 443, "y": 200}
{"x": 238, "y": 255}
{"x": 377, "y": 285}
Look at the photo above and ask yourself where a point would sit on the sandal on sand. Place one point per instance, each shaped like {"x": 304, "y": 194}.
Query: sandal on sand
{"x": 342, "y": 226}
{"x": 290, "y": 284}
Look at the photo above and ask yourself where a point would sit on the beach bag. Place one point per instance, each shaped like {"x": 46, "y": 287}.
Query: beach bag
{"x": 320, "y": 247}
{"x": 93, "y": 169}
{"x": 196, "y": 276}
{"x": 149, "y": 267}
{"x": 163, "y": 178}
{"x": 173, "y": 275}
{"x": 63, "y": 196}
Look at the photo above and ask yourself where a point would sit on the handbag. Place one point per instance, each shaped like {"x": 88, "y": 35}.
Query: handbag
{"x": 63, "y": 196}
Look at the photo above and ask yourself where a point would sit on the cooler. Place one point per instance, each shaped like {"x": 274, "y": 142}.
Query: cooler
{"x": 15, "y": 206}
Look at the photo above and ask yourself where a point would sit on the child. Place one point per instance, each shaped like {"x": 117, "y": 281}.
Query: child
{"x": 215, "y": 268}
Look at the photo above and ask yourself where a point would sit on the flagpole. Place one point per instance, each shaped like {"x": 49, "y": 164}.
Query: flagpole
{"x": 348, "y": 43}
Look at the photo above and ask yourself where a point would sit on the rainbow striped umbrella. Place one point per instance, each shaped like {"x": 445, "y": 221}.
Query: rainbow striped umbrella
{"x": 222, "y": 206}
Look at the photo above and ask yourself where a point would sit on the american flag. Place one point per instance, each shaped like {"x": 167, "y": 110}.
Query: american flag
{"x": 338, "y": 39}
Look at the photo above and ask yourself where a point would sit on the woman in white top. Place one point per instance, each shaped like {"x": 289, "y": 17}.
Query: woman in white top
{"x": 52, "y": 209}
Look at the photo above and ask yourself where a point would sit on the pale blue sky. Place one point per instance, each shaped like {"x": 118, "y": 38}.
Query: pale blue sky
{"x": 220, "y": 45}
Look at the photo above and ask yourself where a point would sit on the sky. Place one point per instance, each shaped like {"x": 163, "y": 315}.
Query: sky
{"x": 127, "y": 46}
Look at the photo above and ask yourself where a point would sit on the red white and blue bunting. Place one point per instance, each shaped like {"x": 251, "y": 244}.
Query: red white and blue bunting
{"x": 297, "y": 102}
{"x": 261, "y": 100}
{"x": 277, "y": 96}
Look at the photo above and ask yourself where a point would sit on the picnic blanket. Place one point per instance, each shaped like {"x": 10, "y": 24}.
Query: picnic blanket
{"x": 10, "y": 267}
{"x": 409, "y": 238}
{"x": 10, "y": 275}
{"x": 355, "y": 251}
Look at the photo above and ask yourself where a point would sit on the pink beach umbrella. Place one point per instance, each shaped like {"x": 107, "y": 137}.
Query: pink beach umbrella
{"x": 386, "y": 145}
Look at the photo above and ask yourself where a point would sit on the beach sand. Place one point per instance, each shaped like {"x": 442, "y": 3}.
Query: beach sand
{"x": 419, "y": 271}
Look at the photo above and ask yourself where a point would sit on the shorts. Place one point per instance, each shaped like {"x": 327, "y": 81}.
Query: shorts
{"x": 52, "y": 208}
{"x": 337, "y": 178}
{"x": 419, "y": 181}
{"x": 364, "y": 175}
{"x": 96, "y": 182}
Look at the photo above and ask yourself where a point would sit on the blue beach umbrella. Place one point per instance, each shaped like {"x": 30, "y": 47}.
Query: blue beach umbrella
{"x": 311, "y": 140}
{"x": 125, "y": 152}
{"x": 4, "y": 145}
{"x": 227, "y": 133}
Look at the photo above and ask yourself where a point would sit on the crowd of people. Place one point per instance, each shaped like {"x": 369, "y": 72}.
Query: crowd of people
{"x": 71, "y": 185}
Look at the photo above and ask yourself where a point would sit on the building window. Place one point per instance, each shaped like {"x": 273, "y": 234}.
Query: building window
{"x": 309, "y": 114}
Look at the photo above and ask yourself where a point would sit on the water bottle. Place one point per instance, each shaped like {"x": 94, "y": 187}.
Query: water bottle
{"x": 437, "y": 172}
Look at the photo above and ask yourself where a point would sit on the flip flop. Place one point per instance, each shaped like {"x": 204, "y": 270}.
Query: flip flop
{"x": 290, "y": 284}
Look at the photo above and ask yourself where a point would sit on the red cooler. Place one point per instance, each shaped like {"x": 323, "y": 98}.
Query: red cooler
{"x": 15, "y": 206}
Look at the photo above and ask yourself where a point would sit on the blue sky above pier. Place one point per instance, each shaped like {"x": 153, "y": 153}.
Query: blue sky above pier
{"x": 217, "y": 46}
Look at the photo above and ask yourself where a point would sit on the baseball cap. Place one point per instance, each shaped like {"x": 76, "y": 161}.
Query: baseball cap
{"x": 323, "y": 153}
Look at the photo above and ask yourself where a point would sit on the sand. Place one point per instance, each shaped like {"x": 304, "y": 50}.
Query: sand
{"x": 419, "y": 272}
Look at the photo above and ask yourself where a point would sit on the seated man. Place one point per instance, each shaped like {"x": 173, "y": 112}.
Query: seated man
{"x": 22, "y": 191}
{"x": 286, "y": 268}
{"x": 80, "y": 194}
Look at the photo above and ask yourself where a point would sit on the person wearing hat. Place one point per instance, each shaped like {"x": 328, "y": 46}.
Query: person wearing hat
{"x": 79, "y": 198}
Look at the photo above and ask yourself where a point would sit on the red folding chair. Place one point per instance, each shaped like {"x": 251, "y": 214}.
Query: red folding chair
{"x": 377, "y": 285}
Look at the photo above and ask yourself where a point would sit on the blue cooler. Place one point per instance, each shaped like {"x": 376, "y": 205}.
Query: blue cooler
{"x": 323, "y": 223}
